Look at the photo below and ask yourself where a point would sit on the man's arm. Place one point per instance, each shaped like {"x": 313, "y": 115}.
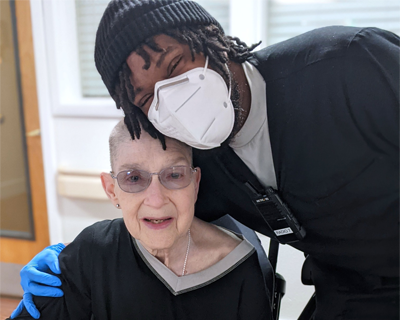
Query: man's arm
{"x": 371, "y": 81}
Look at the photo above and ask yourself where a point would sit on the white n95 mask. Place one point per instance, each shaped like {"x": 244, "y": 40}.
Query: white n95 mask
{"x": 194, "y": 107}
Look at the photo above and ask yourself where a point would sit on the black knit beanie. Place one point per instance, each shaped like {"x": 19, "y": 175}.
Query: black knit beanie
{"x": 127, "y": 23}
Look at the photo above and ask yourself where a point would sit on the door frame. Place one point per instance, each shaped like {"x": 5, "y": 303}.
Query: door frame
{"x": 14, "y": 250}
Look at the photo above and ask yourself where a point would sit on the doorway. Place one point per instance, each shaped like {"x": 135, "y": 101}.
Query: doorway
{"x": 23, "y": 223}
{"x": 15, "y": 198}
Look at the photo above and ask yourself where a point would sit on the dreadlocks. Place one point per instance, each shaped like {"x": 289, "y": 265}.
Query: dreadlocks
{"x": 208, "y": 40}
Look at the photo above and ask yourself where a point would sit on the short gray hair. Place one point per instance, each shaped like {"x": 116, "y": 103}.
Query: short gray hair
{"x": 120, "y": 134}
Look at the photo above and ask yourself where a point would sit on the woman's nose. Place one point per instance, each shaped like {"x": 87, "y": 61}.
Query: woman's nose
{"x": 155, "y": 194}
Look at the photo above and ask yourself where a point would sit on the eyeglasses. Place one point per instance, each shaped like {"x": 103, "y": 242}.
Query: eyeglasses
{"x": 133, "y": 181}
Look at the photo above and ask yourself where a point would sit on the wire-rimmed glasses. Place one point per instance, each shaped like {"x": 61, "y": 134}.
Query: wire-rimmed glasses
{"x": 133, "y": 181}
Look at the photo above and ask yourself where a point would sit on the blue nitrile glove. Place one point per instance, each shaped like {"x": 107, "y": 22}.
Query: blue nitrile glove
{"x": 34, "y": 274}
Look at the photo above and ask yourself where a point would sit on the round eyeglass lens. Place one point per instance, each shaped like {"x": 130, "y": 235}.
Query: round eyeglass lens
{"x": 176, "y": 177}
{"x": 133, "y": 181}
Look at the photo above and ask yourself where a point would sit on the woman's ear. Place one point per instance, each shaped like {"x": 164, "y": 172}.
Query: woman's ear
{"x": 109, "y": 187}
{"x": 197, "y": 178}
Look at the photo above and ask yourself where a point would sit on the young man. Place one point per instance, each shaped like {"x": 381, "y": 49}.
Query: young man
{"x": 314, "y": 117}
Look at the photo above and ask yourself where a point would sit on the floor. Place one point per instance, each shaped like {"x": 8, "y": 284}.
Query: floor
{"x": 7, "y": 305}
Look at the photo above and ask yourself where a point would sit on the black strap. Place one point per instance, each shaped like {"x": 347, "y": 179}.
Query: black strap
{"x": 275, "y": 213}
{"x": 238, "y": 170}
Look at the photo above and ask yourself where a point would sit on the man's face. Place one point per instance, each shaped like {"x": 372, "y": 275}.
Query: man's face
{"x": 174, "y": 60}
{"x": 143, "y": 211}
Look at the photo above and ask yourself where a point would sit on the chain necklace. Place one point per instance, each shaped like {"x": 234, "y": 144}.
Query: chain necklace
{"x": 187, "y": 254}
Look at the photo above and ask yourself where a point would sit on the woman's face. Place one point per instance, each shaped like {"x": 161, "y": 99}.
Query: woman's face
{"x": 156, "y": 216}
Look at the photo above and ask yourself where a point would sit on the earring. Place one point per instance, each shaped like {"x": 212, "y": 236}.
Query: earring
{"x": 118, "y": 206}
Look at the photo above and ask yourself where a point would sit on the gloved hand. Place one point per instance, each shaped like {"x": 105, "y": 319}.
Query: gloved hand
{"x": 34, "y": 274}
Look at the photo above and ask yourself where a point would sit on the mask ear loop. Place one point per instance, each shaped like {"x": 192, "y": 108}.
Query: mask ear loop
{"x": 229, "y": 73}
{"x": 205, "y": 68}
{"x": 230, "y": 81}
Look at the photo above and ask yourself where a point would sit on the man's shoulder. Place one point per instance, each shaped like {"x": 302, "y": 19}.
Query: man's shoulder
{"x": 294, "y": 54}
{"x": 326, "y": 39}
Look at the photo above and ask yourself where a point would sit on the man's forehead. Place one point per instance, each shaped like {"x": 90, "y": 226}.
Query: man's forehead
{"x": 164, "y": 45}
{"x": 163, "y": 41}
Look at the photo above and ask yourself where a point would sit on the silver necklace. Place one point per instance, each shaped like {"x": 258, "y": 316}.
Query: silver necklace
{"x": 187, "y": 254}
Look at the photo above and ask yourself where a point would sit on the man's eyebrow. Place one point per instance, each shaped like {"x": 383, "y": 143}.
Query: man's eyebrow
{"x": 163, "y": 55}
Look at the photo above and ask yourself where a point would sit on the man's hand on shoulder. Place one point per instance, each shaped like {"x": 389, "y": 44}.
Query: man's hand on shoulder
{"x": 35, "y": 279}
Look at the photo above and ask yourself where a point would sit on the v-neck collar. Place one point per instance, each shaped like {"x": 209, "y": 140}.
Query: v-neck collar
{"x": 178, "y": 285}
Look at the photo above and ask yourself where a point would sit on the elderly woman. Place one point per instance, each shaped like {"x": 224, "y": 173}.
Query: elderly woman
{"x": 159, "y": 261}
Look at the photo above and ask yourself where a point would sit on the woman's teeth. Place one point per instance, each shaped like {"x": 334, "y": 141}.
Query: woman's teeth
{"x": 157, "y": 221}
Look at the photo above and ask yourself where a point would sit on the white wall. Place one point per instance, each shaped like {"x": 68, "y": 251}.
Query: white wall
{"x": 75, "y": 136}
{"x": 82, "y": 146}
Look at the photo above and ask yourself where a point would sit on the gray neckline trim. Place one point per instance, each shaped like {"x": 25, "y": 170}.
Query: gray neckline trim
{"x": 178, "y": 285}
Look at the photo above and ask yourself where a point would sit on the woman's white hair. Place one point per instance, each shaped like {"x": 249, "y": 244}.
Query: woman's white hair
{"x": 120, "y": 135}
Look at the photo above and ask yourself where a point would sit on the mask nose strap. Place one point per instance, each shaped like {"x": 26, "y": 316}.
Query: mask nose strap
{"x": 229, "y": 73}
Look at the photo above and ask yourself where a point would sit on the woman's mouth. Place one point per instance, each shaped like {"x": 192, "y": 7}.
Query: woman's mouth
{"x": 157, "y": 223}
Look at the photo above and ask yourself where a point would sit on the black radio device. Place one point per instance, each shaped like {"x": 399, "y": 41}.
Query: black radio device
{"x": 277, "y": 215}
{"x": 273, "y": 210}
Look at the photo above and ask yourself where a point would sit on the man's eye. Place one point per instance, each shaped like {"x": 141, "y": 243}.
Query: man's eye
{"x": 174, "y": 66}
{"x": 146, "y": 99}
